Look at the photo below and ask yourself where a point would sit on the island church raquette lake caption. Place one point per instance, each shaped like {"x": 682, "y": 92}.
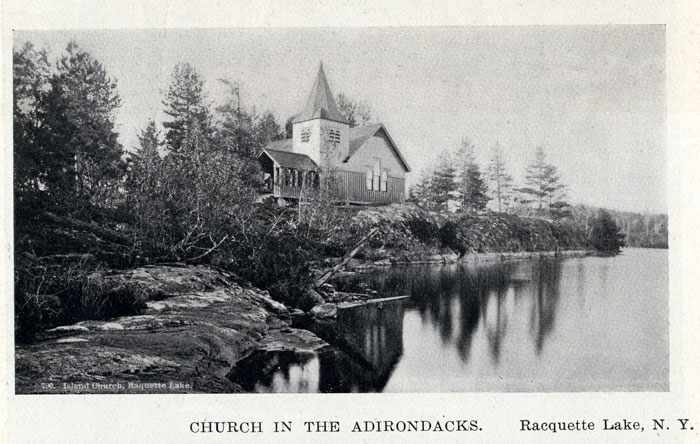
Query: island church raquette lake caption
{"x": 424, "y": 425}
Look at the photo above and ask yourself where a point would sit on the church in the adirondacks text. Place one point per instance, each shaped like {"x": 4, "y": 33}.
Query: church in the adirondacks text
{"x": 366, "y": 165}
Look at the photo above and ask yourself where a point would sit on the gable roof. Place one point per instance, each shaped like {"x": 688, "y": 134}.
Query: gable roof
{"x": 320, "y": 102}
{"x": 359, "y": 135}
{"x": 288, "y": 159}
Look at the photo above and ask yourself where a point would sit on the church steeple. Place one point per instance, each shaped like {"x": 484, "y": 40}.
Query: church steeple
{"x": 321, "y": 103}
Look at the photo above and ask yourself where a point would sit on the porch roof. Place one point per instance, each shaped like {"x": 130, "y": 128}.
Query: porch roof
{"x": 285, "y": 159}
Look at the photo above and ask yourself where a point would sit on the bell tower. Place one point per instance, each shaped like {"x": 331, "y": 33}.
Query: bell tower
{"x": 320, "y": 131}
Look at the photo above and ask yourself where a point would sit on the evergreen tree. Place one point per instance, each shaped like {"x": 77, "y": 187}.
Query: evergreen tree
{"x": 605, "y": 234}
{"x": 501, "y": 181}
{"x": 44, "y": 160}
{"x": 543, "y": 186}
{"x": 185, "y": 103}
{"x": 267, "y": 129}
{"x": 243, "y": 134}
{"x": 146, "y": 193}
{"x": 443, "y": 183}
{"x": 145, "y": 163}
{"x": 91, "y": 98}
{"x": 471, "y": 189}
{"x": 288, "y": 128}
{"x": 419, "y": 193}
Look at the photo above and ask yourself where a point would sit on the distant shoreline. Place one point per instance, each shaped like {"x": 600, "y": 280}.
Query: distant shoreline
{"x": 446, "y": 259}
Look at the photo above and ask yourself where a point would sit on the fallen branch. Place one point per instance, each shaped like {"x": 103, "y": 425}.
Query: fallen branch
{"x": 349, "y": 255}
{"x": 208, "y": 251}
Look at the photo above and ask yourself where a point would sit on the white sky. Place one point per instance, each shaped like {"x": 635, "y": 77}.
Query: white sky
{"x": 592, "y": 96}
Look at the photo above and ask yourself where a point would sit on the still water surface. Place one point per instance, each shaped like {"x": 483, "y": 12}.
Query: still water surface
{"x": 573, "y": 324}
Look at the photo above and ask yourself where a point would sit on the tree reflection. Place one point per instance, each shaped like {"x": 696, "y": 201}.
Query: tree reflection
{"x": 480, "y": 292}
{"x": 546, "y": 275}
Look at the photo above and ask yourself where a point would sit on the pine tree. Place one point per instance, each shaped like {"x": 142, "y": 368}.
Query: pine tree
{"x": 145, "y": 163}
{"x": 91, "y": 98}
{"x": 243, "y": 134}
{"x": 543, "y": 185}
{"x": 471, "y": 189}
{"x": 443, "y": 183}
{"x": 267, "y": 129}
{"x": 420, "y": 192}
{"x": 501, "y": 181}
{"x": 185, "y": 103}
{"x": 44, "y": 159}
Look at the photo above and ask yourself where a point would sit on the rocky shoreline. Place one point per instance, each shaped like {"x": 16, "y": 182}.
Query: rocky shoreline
{"x": 197, "y": 325}
{"x": 195, "y": 328}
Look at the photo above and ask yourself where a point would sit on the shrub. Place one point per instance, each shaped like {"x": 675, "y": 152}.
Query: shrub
{"x": 605, "y": 235}
{"x": 48, "y": 295}
{"x": 422, "y": 229}
{"x": 450, "y": 238}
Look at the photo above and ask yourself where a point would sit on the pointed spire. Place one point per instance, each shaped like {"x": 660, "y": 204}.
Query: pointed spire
{"x": 321, "y": 102}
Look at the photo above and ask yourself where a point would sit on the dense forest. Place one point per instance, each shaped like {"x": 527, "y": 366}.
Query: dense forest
{"x": 188, "y": 194}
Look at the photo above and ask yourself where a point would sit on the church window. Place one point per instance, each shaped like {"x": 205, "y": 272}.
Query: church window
{"x": 385, "y": 180}
{"x": 376, "y": 174}
{"x": 335, "y": 136}
{"x": 305, "y": 134}
{"x": 368, "y": 178}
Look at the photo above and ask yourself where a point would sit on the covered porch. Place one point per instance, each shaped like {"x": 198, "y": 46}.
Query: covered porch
{"x": 286, "y": 174}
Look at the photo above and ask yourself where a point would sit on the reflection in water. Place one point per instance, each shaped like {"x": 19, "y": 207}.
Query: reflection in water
{"x": 478, "y": 296}
{"x": 369, "y": 342}
{"x": 279, "y": 372}
{"x": 577, "y": 324}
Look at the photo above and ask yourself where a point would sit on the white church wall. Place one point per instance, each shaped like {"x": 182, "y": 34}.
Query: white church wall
{"x": 377, "y": 147}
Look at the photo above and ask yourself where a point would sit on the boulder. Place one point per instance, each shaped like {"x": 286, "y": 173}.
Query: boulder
{"x": 310, "y": 299}
{"x": 324, "y": 312}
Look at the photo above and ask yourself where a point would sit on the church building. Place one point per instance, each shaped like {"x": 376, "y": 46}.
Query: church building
{"x": 366, "y": 165}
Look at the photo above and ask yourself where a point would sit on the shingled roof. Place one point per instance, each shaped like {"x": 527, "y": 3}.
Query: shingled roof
{"x": 321, "y": 102}
{"x": 286, "y": 159}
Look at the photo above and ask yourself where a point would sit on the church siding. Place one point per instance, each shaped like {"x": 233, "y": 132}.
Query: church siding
{"x": 376, "y": 147}
{"x": 374, "y": 172}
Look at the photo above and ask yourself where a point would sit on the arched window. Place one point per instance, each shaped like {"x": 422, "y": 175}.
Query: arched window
{"x": 385, "y": 180}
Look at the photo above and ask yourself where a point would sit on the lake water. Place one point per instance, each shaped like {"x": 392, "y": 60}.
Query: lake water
{"x": 572, "y": 324}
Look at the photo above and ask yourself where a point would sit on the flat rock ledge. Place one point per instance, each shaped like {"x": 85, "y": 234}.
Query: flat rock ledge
{"x": 196, "y": 327}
